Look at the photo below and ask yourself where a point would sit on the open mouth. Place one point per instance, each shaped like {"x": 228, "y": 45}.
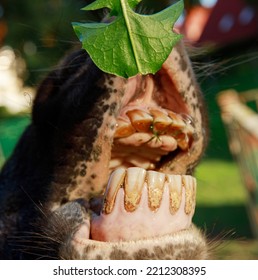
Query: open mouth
{"x": 157, "y": 141}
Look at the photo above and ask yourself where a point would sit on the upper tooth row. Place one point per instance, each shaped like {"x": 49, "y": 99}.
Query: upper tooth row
{"x": 134, "y": 179}
{"x": 152, "y": 121}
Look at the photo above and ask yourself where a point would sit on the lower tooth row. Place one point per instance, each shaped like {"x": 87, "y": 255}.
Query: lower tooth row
{"x": 133, "y": 179}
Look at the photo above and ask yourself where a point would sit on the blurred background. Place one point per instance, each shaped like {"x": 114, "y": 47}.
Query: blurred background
{"x": 222, "y": 38}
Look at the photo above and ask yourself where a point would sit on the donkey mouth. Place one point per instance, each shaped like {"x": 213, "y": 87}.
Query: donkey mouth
{"x": 154, "y": 146}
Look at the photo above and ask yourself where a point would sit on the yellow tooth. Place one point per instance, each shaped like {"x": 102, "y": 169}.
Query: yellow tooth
{"x": 135, "y": 140}
{"x": 168, "y": 143}
{"x": 177, "y": 122}
{"x": 161, "y": 121}
{"x": 155, "y": 182}
{"x": 189, "y": 183}
{"x": 174, "y": 183}
{"x": 123, "y": 129}
{"x": 116, "y": 181}
{"x": 140, "y": 120}
{"x": 134, "y": 182}
{"x": 182, "y": 141}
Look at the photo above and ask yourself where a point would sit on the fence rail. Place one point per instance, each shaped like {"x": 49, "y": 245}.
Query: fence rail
{"x": 241, "y": 123}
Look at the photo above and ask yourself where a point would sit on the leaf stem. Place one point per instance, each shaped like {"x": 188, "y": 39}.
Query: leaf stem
{"x": 127, "y": 22}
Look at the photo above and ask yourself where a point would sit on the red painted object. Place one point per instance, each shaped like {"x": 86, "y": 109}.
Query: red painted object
{"x": 226, "y": 22}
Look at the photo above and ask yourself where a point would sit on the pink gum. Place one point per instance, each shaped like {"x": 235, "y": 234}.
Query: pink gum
{"x": 121, "y": 225}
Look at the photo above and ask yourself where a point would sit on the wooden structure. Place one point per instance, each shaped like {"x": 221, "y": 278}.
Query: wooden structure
{"x": 241, "y": 123}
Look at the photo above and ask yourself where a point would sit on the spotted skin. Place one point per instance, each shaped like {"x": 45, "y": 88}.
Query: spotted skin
{"x": 61, "y": 163}
{"x": 176, "y": 247}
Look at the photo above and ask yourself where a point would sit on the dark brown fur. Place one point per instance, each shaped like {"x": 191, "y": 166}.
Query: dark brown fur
{"x": 37, "y": 217}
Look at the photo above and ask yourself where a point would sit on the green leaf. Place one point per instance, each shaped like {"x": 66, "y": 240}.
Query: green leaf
{"x": 132, "y": 43}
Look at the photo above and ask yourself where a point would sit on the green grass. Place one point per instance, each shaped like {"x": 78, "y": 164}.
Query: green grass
{"x": 237, "y": 250}
{"x": 11, "y": 129}
{"x": 219, "y": 183}
{"x": 221, "y": 209}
